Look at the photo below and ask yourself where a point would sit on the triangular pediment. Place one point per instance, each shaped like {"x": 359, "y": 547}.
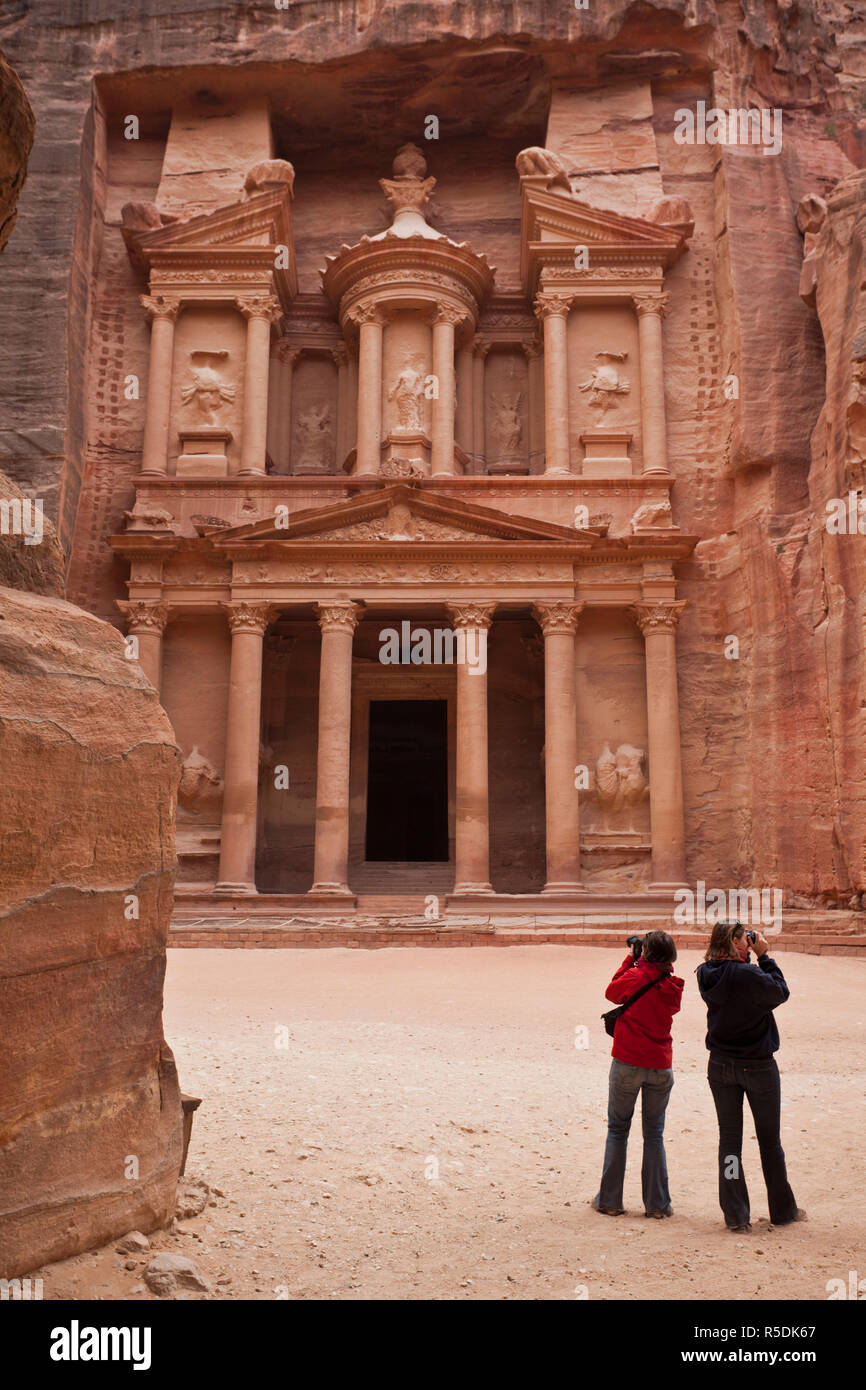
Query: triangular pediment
{"x": 401, "y": 513}
{"x": 555, "y": 223}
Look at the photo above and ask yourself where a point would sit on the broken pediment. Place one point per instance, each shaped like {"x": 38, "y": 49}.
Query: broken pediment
{"x": 555, "y": 226}
{"x": 249, "y": 237}
{"x": 403, "y": 514}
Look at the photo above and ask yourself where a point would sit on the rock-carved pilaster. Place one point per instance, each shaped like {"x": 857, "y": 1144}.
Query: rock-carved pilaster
{"x": 658, "y": 616}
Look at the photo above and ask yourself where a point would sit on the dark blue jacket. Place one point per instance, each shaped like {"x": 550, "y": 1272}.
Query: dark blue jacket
{"x": 740, "y": 1000}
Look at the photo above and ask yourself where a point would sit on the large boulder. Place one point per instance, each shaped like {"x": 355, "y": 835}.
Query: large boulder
{"x": 90, "y": 1113}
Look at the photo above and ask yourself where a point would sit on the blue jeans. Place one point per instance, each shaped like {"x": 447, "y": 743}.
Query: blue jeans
{"x": 758, "y": 1080}
{"x": 655, "y": 1088}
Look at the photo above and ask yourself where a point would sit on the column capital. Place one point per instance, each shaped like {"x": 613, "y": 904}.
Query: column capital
{"x": 340, "y": 355}
{"x": 339, "y": 615}
{"x": 158, "y": 307}
{"x": 144, "y": 615}
{"x": 359, "y": 314}
{"x": 471, "y": 614}
{"x": 265, "y": 306}
{"x": 446, "y": 313}
{"x": 558, "y": 617}
{"x": 480, "y": 347}
{"x": 658, "y": 615}
{"x": 553, "y": 305}
{"x": 244, "y": 616}
{"x": 532, "y": 348}
{"x": 287, "y": 352}
{"x": 653, "y": 302}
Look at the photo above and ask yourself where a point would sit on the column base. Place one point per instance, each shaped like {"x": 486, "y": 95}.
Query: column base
{"x": 663, "y": 886}
{"x": 574, "y": 886}
{"x": 475, "y": 890}
{"x": 330, "y": 890}
{"x": 557, "y": 473}
{"x": 226, "y": 889}
{"x": 252, "y": 472}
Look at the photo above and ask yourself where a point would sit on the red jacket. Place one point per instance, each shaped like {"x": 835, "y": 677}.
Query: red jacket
{"x": 642, "y": 1037}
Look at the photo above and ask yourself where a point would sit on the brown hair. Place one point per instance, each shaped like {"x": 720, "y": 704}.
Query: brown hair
{"x": 659, "y": 948}
{"x": 721, "y": 945}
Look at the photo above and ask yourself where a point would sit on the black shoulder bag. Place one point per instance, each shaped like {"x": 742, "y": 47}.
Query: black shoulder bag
{"x": 612, "y": 1017}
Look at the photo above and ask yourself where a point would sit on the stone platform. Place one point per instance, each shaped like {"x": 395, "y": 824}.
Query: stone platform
{"x": 819, "y": 933}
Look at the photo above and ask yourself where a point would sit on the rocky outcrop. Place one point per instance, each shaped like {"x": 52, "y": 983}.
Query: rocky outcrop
{"x": 90, "y": 1114}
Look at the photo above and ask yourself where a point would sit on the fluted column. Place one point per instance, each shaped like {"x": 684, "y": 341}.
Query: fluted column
{"x": 259, "y": 314}
{"x": 163, "y": 315}
{"x": 463, "y": 419}
{"x": 369, "y": 436}
{"x": 146, "y": 620}
{"x": 237, "y": 872}
{"x": 558, "y": 622}
{"x": 654, "y": 439}
{"x": 553, "y": 309}
{"x": 535, "y": 398}
{"x": 472, "y": 831}
{"x": 479, "y": 443}
{"x": 338, "y": 620}
{"x": 658, "y": 623}
{"x": 442, "y": 451}
{"x": 340, "y": 356}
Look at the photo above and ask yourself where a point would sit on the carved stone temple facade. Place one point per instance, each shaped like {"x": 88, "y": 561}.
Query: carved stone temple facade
{"x": 402, "y": 560}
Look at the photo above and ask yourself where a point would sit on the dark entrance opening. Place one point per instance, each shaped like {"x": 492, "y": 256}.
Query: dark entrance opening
{"x": 407, "y": 781}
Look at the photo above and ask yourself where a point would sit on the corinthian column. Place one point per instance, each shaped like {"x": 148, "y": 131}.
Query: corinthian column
{"x": 340, "y": 358}
{"x": 338, "y": 621}
{"x": 259, "y": 313}
{"x": 472, "y": 837}
{"x": 558, "y": 622}
{"x": 658, "y": 623}
{"x": 464, "y": 416}
{"x": 553, "y": 309}
{"x": 654, "y": 440}
{"x": 154, "y": 450}
{"x": 145, "y": 621}
{"x": 237, "y": 872}
{"x": 369, "y": 436}
{"x": 442, "y": 452}
{"x": 479, "y": 446}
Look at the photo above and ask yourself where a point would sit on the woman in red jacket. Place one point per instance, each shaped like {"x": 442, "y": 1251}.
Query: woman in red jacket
{"x": 642, "y": 1056}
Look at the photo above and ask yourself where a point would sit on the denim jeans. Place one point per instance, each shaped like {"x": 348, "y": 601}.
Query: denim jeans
{"x": 759, "y": 1081}
{"x": 655, "y": 1088}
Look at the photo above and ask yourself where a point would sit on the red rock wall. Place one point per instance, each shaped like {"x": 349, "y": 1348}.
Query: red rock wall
{"x": 90, "y": 1117}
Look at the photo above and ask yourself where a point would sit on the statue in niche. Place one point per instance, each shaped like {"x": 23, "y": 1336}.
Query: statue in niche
{"x": 508, "y": 423}
{"x": 406, "y": 393}
{"x": 620, "y": 782}
{"x": 605, "y": 382}
{"x": 207, "y": 391}
{"x": 314, "y": 437}
{"x": 201, "y": 788}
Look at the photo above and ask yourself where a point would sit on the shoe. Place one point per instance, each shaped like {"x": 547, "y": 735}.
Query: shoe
{"x": 607, "y": 1211}
{"x": 660, "y": 1215}
{"x": 800, "y": 1216}
{"x": 740, "y": 1230}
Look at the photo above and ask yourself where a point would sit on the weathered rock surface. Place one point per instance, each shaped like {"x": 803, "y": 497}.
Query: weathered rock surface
{"x": 166, "y": 1274}
{"x": 16, "y": 138}
{"x": 90, "y": 1114}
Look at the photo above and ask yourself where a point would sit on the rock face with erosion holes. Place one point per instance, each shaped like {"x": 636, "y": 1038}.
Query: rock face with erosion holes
{"x": 90, "y": 1112}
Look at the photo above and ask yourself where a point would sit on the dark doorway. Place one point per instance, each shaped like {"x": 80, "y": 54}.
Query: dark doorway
{"x": 407, "y": 781}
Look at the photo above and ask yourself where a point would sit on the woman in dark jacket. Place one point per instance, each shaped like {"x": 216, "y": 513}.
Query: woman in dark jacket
{"x": 742, "y": 1037}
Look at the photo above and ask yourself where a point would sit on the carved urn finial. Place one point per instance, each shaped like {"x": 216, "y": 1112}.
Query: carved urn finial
{"x": 408, "y": 192}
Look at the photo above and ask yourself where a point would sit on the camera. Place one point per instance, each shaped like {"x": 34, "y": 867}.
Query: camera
{"x": 636, "y": 944}
{"x": 750, "y": 937}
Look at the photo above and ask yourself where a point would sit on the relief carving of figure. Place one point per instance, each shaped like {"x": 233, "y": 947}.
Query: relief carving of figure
{"x": 314, "y": 436}
{"x": 201, "y": 788}
{"x": 508, "y": 423}
{"x": 536, "y": 160}
{"x": 620, "y": 782}
{"x": 406, "y": 394}
{"x": 652, "y": 514}
{"x": 605, "y": 382}
{"x": 207, "y": 391}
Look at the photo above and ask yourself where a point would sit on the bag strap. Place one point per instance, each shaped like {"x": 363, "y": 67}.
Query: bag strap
{"x": 643, "y": 989}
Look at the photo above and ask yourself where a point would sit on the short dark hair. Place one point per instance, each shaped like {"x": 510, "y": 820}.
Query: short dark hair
{"x": 659, "y": 948}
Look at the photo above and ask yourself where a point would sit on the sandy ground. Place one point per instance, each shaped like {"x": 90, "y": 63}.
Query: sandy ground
{"x": 431, "y": 1131}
